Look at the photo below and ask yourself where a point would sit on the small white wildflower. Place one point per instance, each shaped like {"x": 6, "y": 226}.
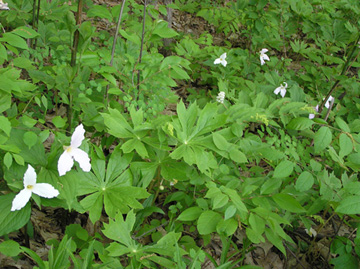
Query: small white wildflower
{"x": 281, "y": 89}
{"x": 72, "y": 152}
{"x": 221, "y": 97}
{"x": 4, "y": 6}
{"x": 30, "y": 186}
{"x": 263, "y": 56}
{"x": 312, "y": 232}
{"x": 329, "y": 100}
{"x": 311, "y": 116}
{"x": 221, "y": 60}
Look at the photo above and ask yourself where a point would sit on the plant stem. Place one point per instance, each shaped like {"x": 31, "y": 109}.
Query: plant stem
{"x": 142, "y": 44}
{"x": 117, "y": 32}
{"x": 76, "y": 34}
{"x": 113, "y": 46}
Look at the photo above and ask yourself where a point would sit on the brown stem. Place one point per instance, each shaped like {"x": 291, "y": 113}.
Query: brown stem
{"x": 76, "y": 34}
{"x": 142, "y": 43}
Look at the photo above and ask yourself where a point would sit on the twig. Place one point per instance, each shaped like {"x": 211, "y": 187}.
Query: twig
{"x": 117, "y": 32}
{"x": 114, "y": 45}
{"x": 76, "y": 34}
{"x": 297, "y": 259}
{"x": 142, "y": 44}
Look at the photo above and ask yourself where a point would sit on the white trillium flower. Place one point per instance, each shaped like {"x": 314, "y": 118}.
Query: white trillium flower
{"x": 4, "y": 6}
{"x": 263, "y": 56}
{"x": 311, "y": 116}
{"x": 312, "y": 232}
{"x": 220, "y": 98}
{"x": 72, "y": 152}
{"x": 329, "y": 100}
{"x": 30, "y": 186}
{"x": 281, "y": 90}
{"x": 221, "y": 60}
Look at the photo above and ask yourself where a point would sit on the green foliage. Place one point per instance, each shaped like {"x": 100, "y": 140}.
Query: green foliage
{"x": 164, "y": 176}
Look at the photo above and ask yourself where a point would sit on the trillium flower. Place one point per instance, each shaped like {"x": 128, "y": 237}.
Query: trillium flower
{"x": 329, "y": 100}
{"x": 72, "y": 152}
{"x": 263, "y": 56}
{"x": 220, "y": 98}
{"x": 221, "y": 60}
{"x": 4, "y": 6}
{"x": 30, "y": 186}
{"x": 281, "y": 90}
{"x": 311, "y": 116}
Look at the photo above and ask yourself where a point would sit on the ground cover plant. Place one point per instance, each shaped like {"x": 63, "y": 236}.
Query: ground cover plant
{"x": 179, "y": 134}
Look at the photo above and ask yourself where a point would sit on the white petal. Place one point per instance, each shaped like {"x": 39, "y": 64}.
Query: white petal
{"x": 223, "y": 56}
{"x": 78, "y": 136}
{"x": 265, "y": 57}
{"x": 82, "y": 158}
{"x": 30, "y": 176}
{"x": 65, "y": 163}
{"x": 224, "y": 62}
{"x": 45, "y": 190}
{"x": 264, "y": 51}
{"x": 285, "y": 85}
{"x": 277, "y": 90}
{"x": 21, "y": 199}
{"x": 311, "y": 116}
{"x": 217, "y": 61}
{"x": 262, "y": 60}
{"x": 282, "y": 92}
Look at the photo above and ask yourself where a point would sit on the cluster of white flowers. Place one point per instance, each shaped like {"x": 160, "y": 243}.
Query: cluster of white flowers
{"x": 4, "y": 6}
{"x": 221, "y": 97}
{"x": 327, "y": 105}
{"x": 65, "y": 163}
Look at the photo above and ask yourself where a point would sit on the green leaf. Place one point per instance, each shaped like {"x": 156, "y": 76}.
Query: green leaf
{"x": 349, "y": 205}
{"x": 190, "y": 214}
{"x": 164, "y": 31}
{"x": 275, "y": 240}
{"x": 12, "y": 220}
{"x": 10, "y": 248}
{"x": 58, "y": 121}
{"x": 220, "y": 200}
{"x": 120, "y": 229}
{"x": 227, "y": 227}
{"x": 322, "y": 139}
{"x": 288, "y": 202}
{"x": 283, "y": 169}
{"x": 117, "y": 124}
{"x": 30, "y": 139}
{"x": 304, "y": 182}
{"x": 99, "y": 11}
{"x": 271, "y": 185}
{"x": 229, "y": 212}
{"x": 25, "y": 32}
{"x": 208, "y": 221}
{"x": 254, "y": 236}
{"x": 14, "y": 40}
{"x": 300, "y": 124}
{"x": 8, "y": 160}
{"x": 342, "y": 124}
{"x": 220, "y": 142}
{"x": 237, "y": 156}
{"x": 5, "y": 125}
{"x": 346, "y": 145}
